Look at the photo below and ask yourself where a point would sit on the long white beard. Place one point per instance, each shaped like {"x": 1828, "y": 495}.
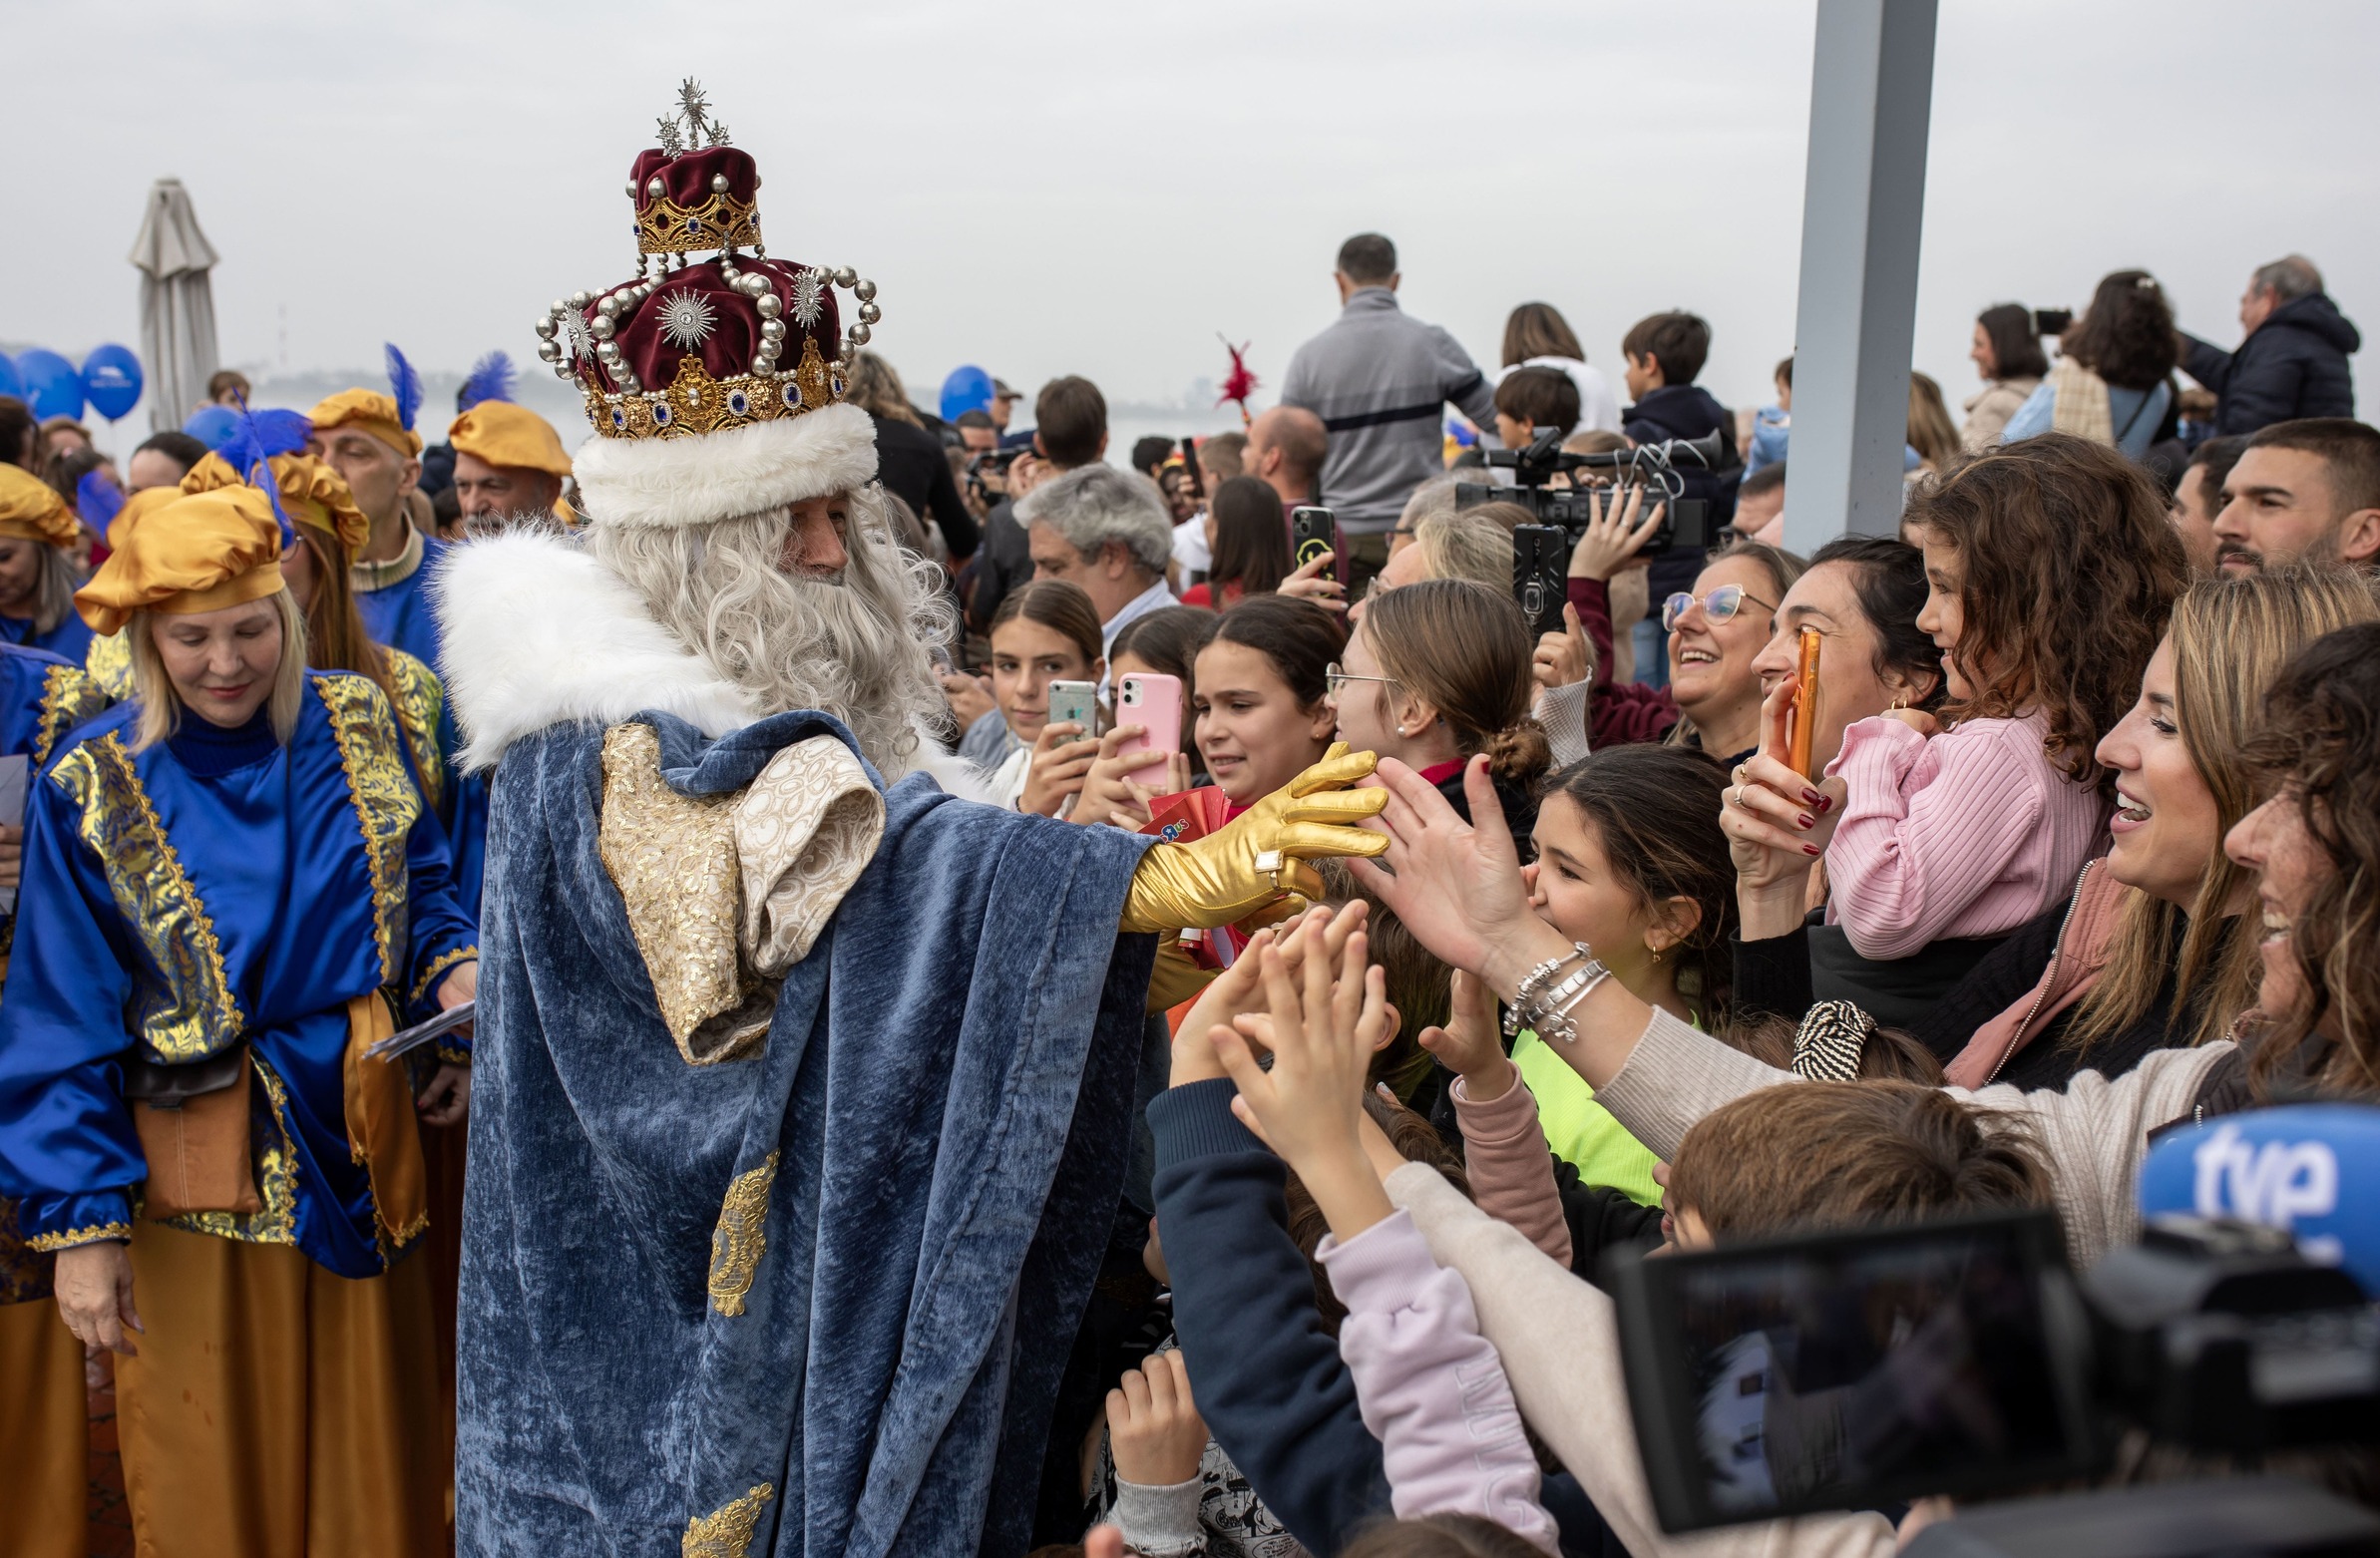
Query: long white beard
{"x": 856, "y": 646}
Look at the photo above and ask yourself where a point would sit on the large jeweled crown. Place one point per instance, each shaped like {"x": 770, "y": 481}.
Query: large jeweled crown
{"x": 704, "y": 348}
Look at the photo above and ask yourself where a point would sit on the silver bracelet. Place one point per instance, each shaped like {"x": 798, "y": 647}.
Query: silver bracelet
{"x": 1531, "y": 999}
{"x": 1555, "y": 1024}
{"x": 1525, "y": 994}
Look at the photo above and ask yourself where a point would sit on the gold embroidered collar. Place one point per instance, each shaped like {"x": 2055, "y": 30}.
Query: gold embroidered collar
{"x": 397, "y": 569}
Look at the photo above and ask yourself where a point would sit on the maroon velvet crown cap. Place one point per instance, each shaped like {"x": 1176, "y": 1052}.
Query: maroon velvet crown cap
{"x": 701, "y": 199}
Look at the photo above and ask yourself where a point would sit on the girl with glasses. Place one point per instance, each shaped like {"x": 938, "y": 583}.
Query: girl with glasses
{"x": 1435, "y": 672}
{"x": 1715, "y": 631}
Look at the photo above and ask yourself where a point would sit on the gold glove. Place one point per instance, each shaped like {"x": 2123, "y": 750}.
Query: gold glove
{"x": 1260, "y": 855}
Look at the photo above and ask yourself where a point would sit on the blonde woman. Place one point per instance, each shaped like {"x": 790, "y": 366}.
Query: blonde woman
{"x": 240, "y": 893}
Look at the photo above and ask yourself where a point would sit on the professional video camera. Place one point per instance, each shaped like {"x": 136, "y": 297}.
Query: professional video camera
{"x": 1856, "y": 1371}
{"x": 996, "y": 462}
{"x": 1684, "y": 522}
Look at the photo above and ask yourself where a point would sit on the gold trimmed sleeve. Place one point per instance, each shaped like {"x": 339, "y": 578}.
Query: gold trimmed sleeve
{"x": 67, "y": 699}
{"x": 74, "y": 1238}
{"x": 418, "y": 701}
{"x": 437, "y": 967}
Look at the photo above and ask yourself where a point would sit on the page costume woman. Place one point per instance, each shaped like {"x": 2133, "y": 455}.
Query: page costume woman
{"x": 225, "y": 901}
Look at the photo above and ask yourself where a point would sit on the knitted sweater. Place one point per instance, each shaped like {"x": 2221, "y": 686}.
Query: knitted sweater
{"x": 1969, "y": 833}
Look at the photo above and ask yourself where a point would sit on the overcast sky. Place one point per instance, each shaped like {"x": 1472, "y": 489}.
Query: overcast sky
{"x": 1100, "y": 189}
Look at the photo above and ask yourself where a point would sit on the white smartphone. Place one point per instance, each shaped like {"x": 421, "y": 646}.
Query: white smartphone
{"x": 1075, "y": 703}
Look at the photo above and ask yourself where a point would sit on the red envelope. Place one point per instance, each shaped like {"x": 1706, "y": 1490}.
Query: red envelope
{"x": 1193, "y": 814}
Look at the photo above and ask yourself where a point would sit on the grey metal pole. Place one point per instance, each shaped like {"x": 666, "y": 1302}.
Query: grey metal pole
{"x": 1863, "y": 204}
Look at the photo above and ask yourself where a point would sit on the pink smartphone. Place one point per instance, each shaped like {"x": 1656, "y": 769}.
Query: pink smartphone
{"x": 1155, "y": 703}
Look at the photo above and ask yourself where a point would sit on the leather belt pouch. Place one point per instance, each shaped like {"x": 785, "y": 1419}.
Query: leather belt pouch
{"x": 192, "y": 1121}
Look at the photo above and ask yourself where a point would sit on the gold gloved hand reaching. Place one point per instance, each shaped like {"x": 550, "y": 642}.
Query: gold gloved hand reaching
{"x": 1260, "y": 855}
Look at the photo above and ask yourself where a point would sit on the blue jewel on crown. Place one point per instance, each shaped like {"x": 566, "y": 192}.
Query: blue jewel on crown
{"x": 791, "y": 395}
{"x": 619, "y": 418}
{"x": 739, "y": 403}
{"x": 660, "y": 413}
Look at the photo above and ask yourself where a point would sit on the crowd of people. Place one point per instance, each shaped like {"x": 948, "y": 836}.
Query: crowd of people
{"x": 2076, "y": 835}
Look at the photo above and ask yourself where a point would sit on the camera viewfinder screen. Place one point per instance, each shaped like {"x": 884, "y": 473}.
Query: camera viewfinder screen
{"x": 1821, "y": 1376}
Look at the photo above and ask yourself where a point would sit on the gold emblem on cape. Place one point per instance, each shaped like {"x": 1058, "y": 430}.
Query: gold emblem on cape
{"x": 742, "y": 1237}
{"x": 728, "y": 1532}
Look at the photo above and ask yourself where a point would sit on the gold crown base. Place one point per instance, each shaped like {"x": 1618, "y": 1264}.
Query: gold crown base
{"x": 695, "y": 403}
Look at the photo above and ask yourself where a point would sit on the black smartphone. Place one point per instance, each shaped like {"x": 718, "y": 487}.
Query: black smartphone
{"x": 1856, "y": 1369}
{"x": 1312, "y": 532}
{"x": 2051, "y": 322}
{"x": 1540, "y": 575}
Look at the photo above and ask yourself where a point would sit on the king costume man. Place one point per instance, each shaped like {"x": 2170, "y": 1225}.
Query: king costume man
{"x": 803, "y": 1085}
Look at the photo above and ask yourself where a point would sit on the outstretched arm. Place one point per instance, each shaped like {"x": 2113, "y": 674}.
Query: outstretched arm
{"x": 1261, "y": 855}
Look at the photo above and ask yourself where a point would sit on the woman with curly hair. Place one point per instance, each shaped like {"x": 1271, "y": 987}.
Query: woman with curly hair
{"x": 2050, "y": 571}
{"x": 2110, "y": 383}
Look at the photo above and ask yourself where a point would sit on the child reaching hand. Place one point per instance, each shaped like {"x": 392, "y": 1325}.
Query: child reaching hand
{"x": 1430, "y": 1387}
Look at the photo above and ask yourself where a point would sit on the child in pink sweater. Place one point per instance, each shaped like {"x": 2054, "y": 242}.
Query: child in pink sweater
{"x": 2051, "y": 570}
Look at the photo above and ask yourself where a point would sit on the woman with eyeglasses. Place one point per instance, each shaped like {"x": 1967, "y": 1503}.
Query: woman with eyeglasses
{"x": 1435, "y": 672}
{"x": 2050, "y": 575}
{"x": 1715, "y": 631}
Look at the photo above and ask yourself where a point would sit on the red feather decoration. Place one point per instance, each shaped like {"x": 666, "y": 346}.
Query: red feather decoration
{"x": 1240, "y": 383}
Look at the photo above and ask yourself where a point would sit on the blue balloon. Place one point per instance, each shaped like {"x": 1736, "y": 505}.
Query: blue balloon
{"x": 112, "y": 380}
{"x": 214, "y": 426}
{"x": 966, "y": 389}
{"x": 53, "y": 385}
{"x": 10, "y": 382}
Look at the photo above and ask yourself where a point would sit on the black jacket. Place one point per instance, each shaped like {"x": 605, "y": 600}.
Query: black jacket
{"x": 1688, "y": 411}
{"x": 1774, "y": 976}
{"x": 2292, "y": 365}
{"x": 910, "y": 463}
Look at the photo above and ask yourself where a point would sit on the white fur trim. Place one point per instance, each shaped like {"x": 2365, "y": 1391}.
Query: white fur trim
{"x": 535, "y": 632}
{"x": 673, "y": 481}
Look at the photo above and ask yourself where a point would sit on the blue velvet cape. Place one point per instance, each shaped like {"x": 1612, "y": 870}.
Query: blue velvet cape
{"x": 214, "y": 889}
{"x": 945, "y": 1087}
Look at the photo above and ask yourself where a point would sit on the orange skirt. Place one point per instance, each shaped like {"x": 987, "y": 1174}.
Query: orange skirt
{"x": 43, "y": 1447}
{"x": 276, "y": 1409}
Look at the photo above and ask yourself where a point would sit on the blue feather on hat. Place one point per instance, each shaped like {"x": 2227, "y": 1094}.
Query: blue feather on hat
{"x": 97, "y": 500}
{"x": 260, "y": 436}
{"x": 491, "y": 379}
{"x": 405, "y": 384}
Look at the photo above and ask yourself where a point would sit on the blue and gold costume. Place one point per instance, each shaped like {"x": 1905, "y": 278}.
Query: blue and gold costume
{"x": 214, "y": 887}
{"x": 280, "y": 899}
{"x": 70, "y": 638}
{"x": 30, "y": 511}
{"x": 42, "y": 700}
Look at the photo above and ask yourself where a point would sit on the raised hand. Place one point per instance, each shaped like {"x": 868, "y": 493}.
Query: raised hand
{"x": 1312, "y": 583}
{"x": 1153, "y": 1426}
{"x": 1776, "y": 824}
{"x": 1062, "y": 757}
{"x": 1323, "y": 1023}
{"x": 1565, "y": 659}
{"x": 1615, "y": 537}
{"x": 1468, "y": 1045}
{"x": 1457, "y": 885}
{"x": 1260, "y": 855}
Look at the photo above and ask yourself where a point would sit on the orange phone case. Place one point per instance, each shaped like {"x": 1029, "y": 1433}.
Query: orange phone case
{"x": 1805, "y": 702}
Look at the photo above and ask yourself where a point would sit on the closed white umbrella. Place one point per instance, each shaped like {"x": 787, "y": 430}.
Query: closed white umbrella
{"x": 176, "y": 306}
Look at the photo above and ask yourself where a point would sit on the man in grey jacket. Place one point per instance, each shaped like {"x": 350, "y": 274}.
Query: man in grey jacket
{"x": 1379, "y": 381}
